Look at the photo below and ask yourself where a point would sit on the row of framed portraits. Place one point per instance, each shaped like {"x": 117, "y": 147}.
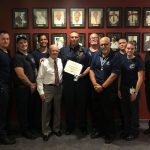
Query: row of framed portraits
{"x": 60, "y": 39}
{"x": 41, "y": 17}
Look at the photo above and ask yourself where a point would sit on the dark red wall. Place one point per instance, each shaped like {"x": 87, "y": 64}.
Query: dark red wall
{"x": 6, "y": 22}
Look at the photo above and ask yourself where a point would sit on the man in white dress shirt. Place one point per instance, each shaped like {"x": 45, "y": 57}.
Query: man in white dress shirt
{"x": 50, "y": 90}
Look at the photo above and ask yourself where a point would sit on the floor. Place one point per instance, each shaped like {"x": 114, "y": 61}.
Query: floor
{"x": 76, "y": 142}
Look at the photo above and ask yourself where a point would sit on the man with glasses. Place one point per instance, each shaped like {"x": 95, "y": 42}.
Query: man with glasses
{"x": 103, "y": 72}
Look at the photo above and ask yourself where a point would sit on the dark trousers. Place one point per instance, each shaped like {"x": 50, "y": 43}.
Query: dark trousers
{"x": 74, "y": 93}
{"x": 4, "y": 106}
{"x": 147, "y": 91}
{"x": 130, "y": 112}
{"x": 25, "y": 107}
{"x": 102, "y": 104}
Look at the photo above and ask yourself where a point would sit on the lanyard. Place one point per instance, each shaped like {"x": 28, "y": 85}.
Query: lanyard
{"x": 103, "y": 61}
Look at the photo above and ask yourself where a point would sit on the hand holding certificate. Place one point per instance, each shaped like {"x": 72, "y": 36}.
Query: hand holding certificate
{"x": 73, "y": 68}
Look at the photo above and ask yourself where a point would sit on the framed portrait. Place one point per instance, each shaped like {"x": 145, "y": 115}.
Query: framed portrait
{"x": 146, "y": 17}
{"x": 114, "y": 17}
{"x": 146, "y": 41}
{"x": 28, "y": 39}
{"x": 135, "y": 37}
{"x": 58, "y": 17}
{"x": 114, "y": 38}
{"x": 35, "y": 42}
{"x": 96, "y": 17}
{"x": 59, "y": 39}
{"x": 77, "y": 17}
{"x": 82, "y": 40}
{"x": 40, "y": 17}
{"x": 20, "y": 18}
{"x": 132, "y": 17}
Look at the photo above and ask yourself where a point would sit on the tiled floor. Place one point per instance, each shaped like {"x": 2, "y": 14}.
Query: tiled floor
{"x": 74, "y": 142}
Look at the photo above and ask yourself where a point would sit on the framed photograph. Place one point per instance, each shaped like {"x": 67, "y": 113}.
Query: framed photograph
{"x": 146, "y": 41}
{"x": 59, "y": 19}
{"x": 82, "y": 40}
{"x": 96, "y": 17}
{"x": 40, "y": 17}
{"x": 77, "y": 17}
{"x": 132, "y": 17}
{"x": 28, "y": 39}
{"x": 114, "y": 17}
{"x": 20, "y": 18}
{"x": 59, "y": 39}
{"x": 114, "y": 38}
{"x": 35, "y": 42}
{"x": 135, "y": 37}
{"x": 146, "y": 17}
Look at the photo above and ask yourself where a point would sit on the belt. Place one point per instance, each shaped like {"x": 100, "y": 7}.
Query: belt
{"x": 50, "y": 84}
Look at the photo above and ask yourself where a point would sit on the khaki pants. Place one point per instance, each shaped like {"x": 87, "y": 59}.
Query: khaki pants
{"x": 51, "y": 93}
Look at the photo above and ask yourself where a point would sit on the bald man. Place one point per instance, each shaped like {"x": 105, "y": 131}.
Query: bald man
{"x": 49, "y": 81}
{"x": 103, "y": 72}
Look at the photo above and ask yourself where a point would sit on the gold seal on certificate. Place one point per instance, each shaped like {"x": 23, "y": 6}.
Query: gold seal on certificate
{"x": 73, "y": 68}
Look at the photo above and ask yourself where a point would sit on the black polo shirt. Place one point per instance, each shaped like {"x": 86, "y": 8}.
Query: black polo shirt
{"x": 38, "y": 55}
{"x": 129, "y": 71}
{"x": 77, "y": 54}
{"x": 5, "y": 68}
{"x": 103, "y": 67}
{"x": 28, "y": 64}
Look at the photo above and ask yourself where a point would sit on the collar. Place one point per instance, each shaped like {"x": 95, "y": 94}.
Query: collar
{"x": 3, "y": 49}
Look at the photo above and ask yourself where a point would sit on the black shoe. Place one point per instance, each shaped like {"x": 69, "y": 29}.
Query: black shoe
{"x": 95, "y": 135}
{"x": 147, "y": 131}
{"x": 45, "y": 137}
{"x": 58, "y": 133}
{"x": 7, "y": 141}
{"x": 29, "y": 135}
{"x": 130, "y": 137}
{"x": 68, "y": 131}
{"x": 123, "y": 135}
{"x": 109, "y": 139}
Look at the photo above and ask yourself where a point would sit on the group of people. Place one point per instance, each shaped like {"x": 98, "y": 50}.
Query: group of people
{"x": 42, "y": 84}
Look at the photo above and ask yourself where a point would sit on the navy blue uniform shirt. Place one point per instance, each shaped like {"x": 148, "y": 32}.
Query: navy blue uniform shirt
{"x": 129, "y": 71}
{"x": 28, "y": 64}
{"x": 38, "y": 55}
{"x": 103, "y": 67}
{"x": 5, "y": 68}
{"x": 77, "y": 54}
{"x": 147, "y": 67}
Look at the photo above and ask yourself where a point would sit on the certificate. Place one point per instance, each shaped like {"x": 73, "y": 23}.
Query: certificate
{"x": 73, "y": 68}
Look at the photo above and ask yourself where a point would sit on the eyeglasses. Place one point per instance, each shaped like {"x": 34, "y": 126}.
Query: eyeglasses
{"x": 105, "y": 44}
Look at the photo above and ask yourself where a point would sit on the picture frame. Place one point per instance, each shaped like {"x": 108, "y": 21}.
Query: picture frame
{"x": 114, "y": 17}
{"x": 135, "y": 37}
{"x": 35, "y": 42}
{"x": 77, "y": 17}
{"x": 58, "y": 18}
{"x": 96, "y": 17}
{"x": 59, "y": 39}
{"x": 82, "y": 40}
{"x": 40, "y": 17}
{"x": 114, "y": 38}
{"x": 146, "y": 17}
{"x": 28, "y": 39}
{"x": 20, "y": 18}
{"x": 132, "y": 17}
{"x": 146, "y": 41}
